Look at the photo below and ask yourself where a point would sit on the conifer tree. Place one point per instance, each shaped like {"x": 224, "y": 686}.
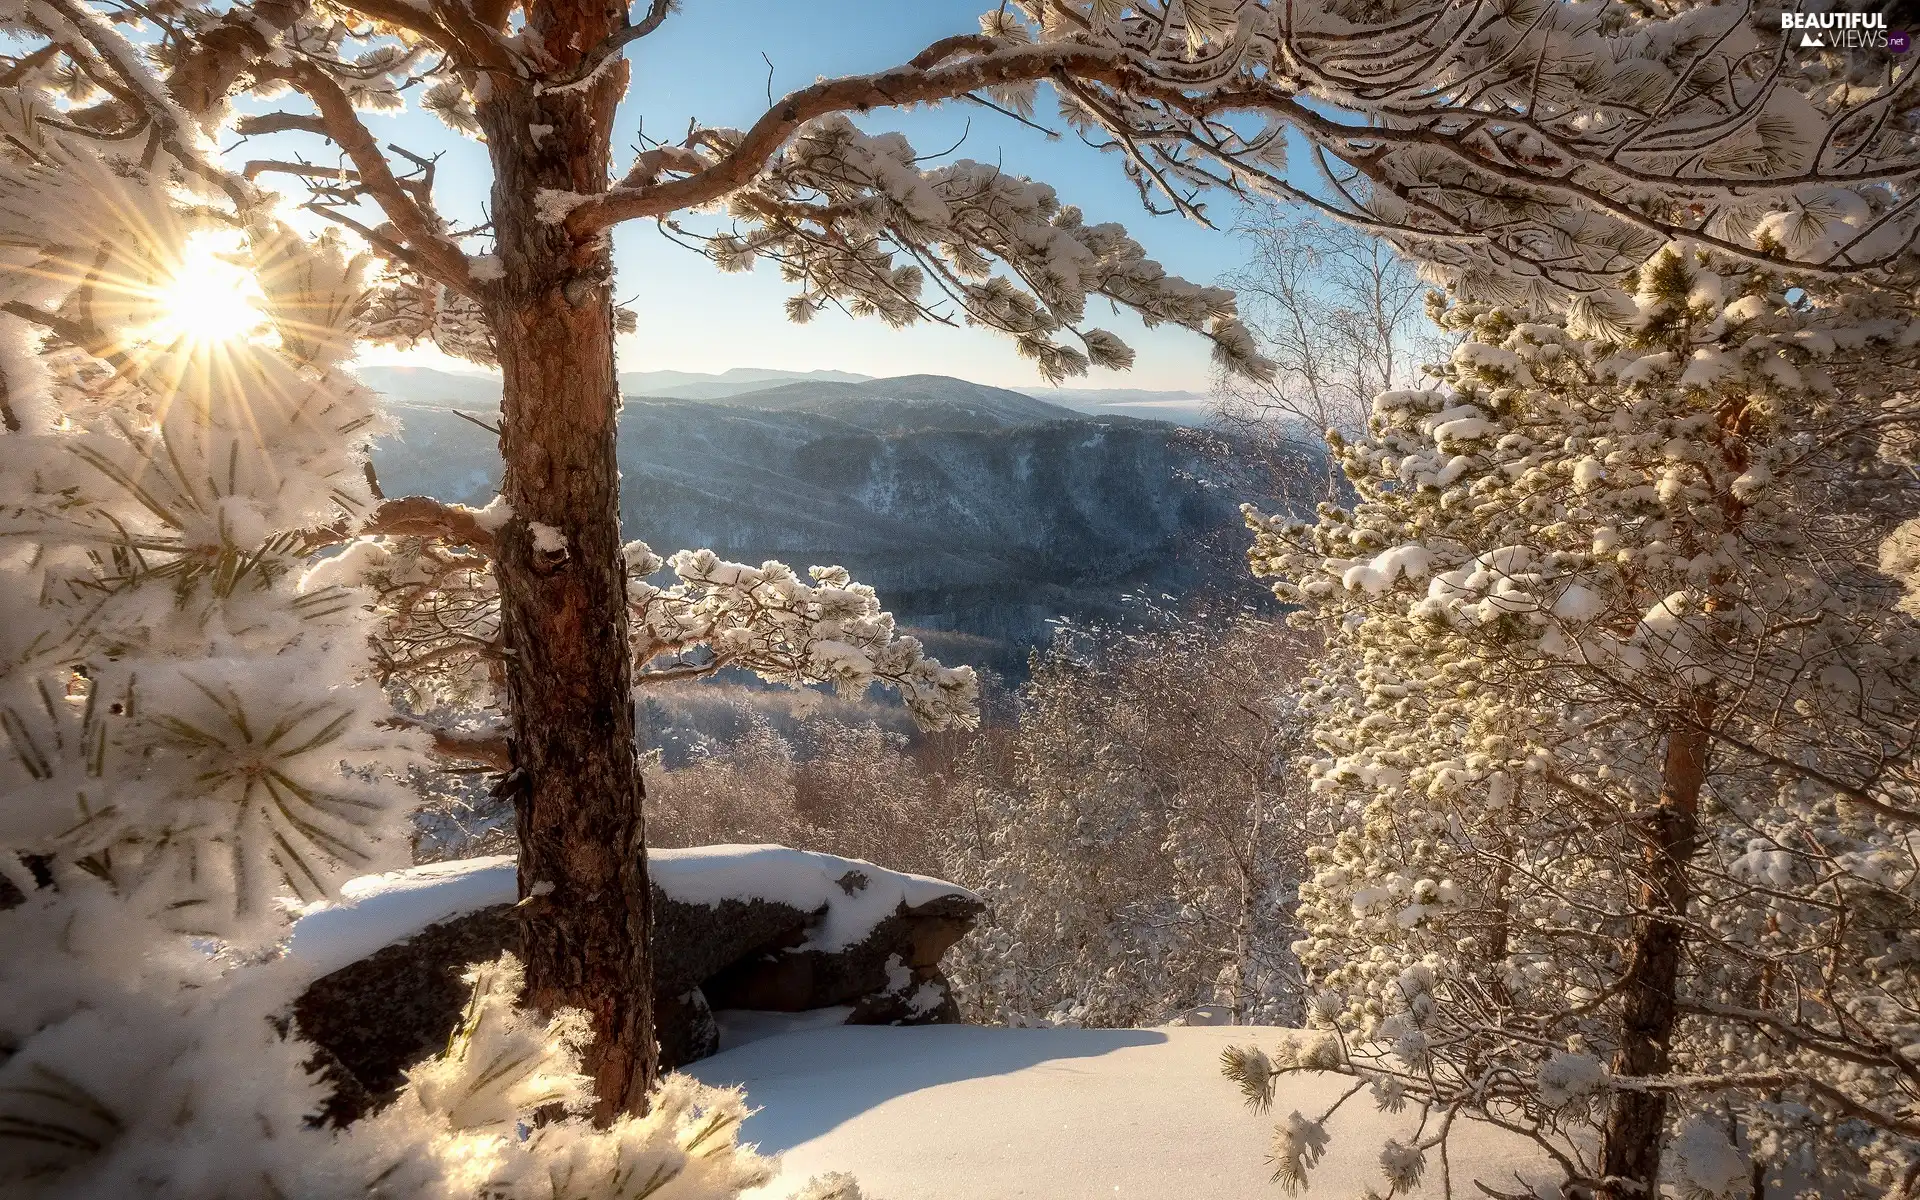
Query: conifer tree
{"x": 1619, "y": 715}
{"x": 191, "y": 740}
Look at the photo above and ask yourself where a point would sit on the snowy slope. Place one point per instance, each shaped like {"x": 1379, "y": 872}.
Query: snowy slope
{"x": 958, "y": 1112}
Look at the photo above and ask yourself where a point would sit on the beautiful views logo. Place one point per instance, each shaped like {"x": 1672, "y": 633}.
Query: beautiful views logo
{"x": 1841, "y": 31}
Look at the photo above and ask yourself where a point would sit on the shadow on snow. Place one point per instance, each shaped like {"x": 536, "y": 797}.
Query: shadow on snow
{"x": 807, "y": 1084}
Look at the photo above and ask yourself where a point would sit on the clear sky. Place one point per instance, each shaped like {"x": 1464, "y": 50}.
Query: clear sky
{"x": 706, "y": 62}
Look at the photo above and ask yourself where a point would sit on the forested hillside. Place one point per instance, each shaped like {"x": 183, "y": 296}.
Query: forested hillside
{"x": 975, "y": 510}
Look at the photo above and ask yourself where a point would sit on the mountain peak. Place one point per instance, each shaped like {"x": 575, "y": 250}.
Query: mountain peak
{"x": 905, "y": 402}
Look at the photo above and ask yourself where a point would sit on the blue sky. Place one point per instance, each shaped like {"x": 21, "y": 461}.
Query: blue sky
{"x": 706, "y": 62}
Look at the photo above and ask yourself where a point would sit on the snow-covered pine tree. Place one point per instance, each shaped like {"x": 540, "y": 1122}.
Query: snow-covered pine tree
{"x": 190, "y": 741}
{"x": 1537, "y": 150}
{"x": 1619, "y": 715}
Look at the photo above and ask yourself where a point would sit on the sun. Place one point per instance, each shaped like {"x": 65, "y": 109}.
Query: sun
{"x": 208, "y": 299}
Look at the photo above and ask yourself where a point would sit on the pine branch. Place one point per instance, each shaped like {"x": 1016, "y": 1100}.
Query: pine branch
{"x": 28, "y": 63}
{"x": 397, "y": 251}
{"x": 611, "y": 46}
{"x": 1766, "y": 1081}
{"x": 260, "y": 124}
{"x": 433, "y": 253}
{"x": 217, "y": 56}
{"x": 9, "y": 420}
{"x": 900, "y": 87}
{"x": 85, "y": 336}
{"x": 263, "y": 166}
{"x": 143, "y": 93}
{"x": 649, "y": 677}
{"x": 411, "y": 516}
{"x": 489, "y": 747}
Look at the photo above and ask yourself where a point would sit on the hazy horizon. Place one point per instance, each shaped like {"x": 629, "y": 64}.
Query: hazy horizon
{"x": 452, "y": 366}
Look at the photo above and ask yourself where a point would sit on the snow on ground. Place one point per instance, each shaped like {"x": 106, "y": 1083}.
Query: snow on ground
{"x": 962, "y": 1112}
{"x": 376, "y": 911}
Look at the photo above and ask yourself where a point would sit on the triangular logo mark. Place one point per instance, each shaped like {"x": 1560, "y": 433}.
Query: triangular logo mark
{"x": 1808, "y": 39}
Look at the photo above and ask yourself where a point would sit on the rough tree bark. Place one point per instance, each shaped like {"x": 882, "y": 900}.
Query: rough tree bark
{"x": 575, "y": 778}
{"x": 1636, "y": 1124}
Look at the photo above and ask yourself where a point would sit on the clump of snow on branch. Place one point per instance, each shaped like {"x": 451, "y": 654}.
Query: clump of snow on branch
{"x": 857, "y": 223}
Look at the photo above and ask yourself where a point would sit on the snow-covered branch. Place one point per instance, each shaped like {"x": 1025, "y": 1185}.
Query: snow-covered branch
{"x": 425, "y": 517}
{"x": 857, "y": 223}
{"x": 900, "y": 87}
{"x": 766, "y": 620}
{"x": 427, "y": 247}
{"x": 428, "y": 564}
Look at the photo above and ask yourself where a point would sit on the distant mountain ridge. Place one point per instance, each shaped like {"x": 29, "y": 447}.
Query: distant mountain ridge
{"x": 692, "y": 385}
{"x": 905, "y": 403}
{"x": 470, "y": 389}
{"x": 773, "y": 388}
{"x": 1180, "y": 408}
{"x": 427, "y": 385}
{"x": 977, "y": 511}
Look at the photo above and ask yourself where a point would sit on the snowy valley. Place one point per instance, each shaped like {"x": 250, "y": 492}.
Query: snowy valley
{"x": 978, "y": 512}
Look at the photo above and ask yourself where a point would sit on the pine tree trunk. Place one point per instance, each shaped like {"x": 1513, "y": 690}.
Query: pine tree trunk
{"x": 1636, "y": 1123}
{"x": 575, "y": 779}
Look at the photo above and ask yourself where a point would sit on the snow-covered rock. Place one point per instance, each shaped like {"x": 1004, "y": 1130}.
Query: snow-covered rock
{"x": 763, "y": 928}
{"x": 376, "y": 911}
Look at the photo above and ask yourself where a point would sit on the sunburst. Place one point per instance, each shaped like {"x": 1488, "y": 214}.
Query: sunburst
{"x": 207, "y": 299}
